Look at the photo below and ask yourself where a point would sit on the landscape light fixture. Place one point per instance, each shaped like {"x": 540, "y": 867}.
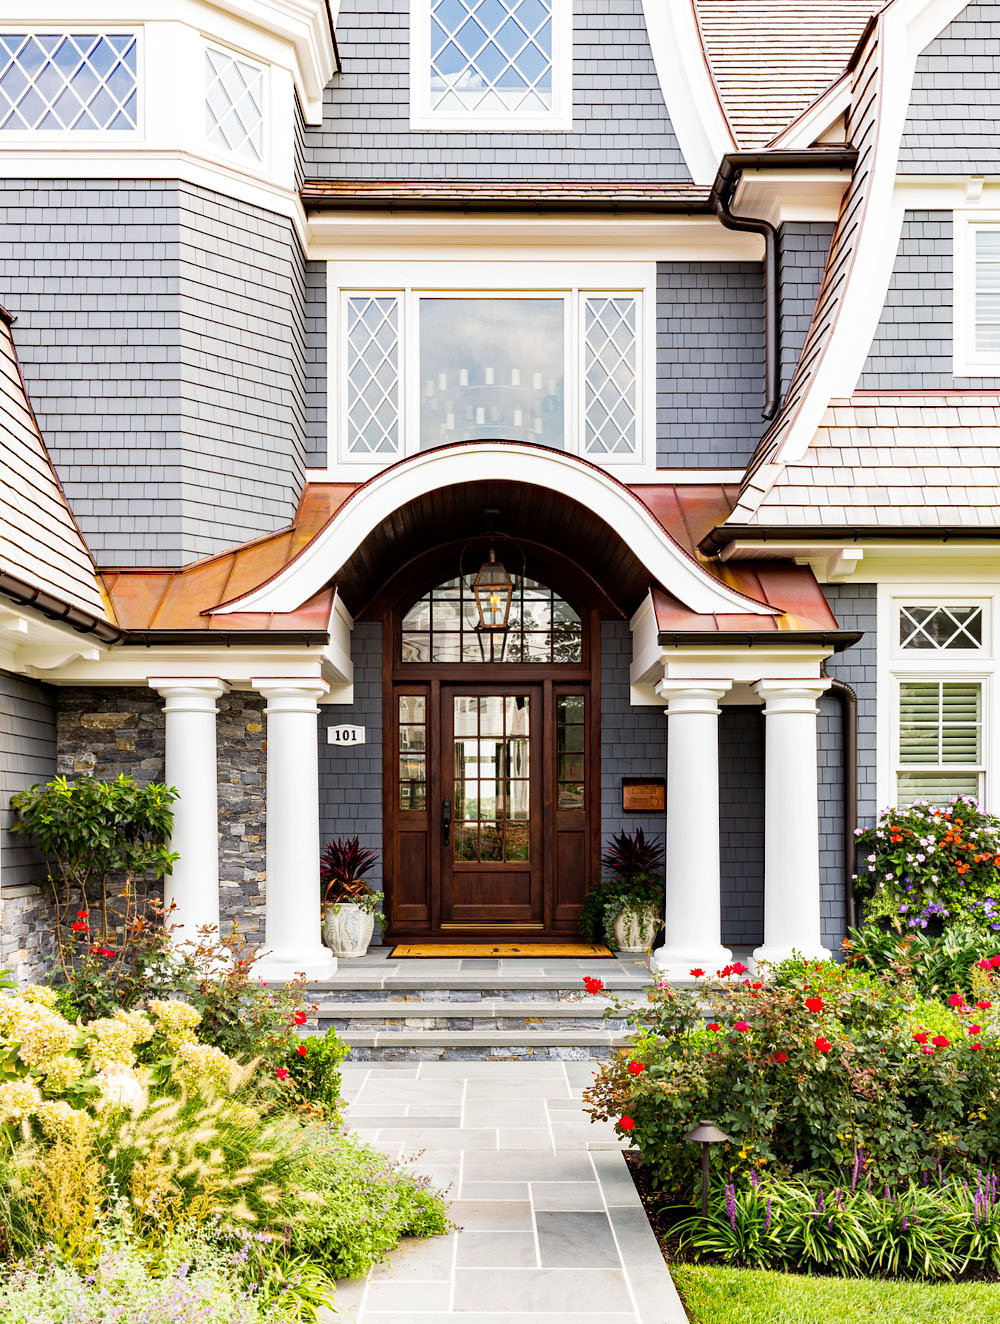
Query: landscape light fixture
{"x": 706, "y": 1134}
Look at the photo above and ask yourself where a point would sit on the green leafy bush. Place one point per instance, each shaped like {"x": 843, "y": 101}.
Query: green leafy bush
{"x": 805, "y": 1073}
{"x": 937, "y": 965}
{"x": 925, "y": 861}
{"x": 313, "y": 1067}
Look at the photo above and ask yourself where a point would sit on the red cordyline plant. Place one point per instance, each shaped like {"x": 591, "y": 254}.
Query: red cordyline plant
{"x": 342, "y": 868}
{"x": 632, "y": 855}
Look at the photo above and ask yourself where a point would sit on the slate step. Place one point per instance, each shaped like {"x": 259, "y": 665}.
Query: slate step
{"x": 503, "y": 1014}
{"x": 363, "y": 985}
{"x": 481, "y": 1045}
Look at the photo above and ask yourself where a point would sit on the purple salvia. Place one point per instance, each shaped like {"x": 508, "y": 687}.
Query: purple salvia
{"x": 767, "y": 1215}
{"x": 906, "y": 1222}
{"x": 731, "y": 1205}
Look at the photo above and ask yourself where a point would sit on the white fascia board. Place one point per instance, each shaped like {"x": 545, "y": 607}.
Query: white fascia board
{"x": 907, "y": 27}
{"x": 33, "y": 645}
{"x": 637, "y": 475}
{"x": 401, "y": 236}
{"x": 791, "y": 195}
{"x": 236, "y": 665}
{"x": 814, "y": 121}
{"x": 318, "y": 563}
{"x": 743, "y": 663}
{"x": 692, "y": 99}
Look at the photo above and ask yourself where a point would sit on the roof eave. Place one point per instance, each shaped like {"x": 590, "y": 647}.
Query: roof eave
{"x": 721, "y": 536}
{"x": 838, "y": 640}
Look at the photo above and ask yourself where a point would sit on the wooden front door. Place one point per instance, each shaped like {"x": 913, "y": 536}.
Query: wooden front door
{"x": 492, "y": 807}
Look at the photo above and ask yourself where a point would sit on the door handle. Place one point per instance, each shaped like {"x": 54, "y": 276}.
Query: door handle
{"x": 446, "y": 821}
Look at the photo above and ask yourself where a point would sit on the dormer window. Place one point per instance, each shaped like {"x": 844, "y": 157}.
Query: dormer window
{"x": 491, "y": 64}
{"x": 68, "y": 82}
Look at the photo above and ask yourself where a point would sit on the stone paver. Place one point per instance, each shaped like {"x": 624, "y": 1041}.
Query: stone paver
{"x": 551, "y": 1226}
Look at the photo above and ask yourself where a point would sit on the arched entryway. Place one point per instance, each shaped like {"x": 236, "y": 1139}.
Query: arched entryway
{"x": 491, "y": 756}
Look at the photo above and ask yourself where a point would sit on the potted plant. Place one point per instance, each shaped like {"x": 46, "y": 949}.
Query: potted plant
{"x": 625, "y": 909}
{"x": 349, "y": 904}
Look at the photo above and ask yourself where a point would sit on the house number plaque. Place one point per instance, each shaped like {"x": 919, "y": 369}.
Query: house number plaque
{"x": 345, "y": 735}
{"x": 643, "y": 796}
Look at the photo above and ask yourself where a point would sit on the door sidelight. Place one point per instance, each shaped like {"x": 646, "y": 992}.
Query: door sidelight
{"x": 446, "y": 822}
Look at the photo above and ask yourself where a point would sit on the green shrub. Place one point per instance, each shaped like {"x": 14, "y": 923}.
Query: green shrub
{"x": 313, "y": 1067}
{"x": 936, "y": 965}
{"x": 805, "y": 1074}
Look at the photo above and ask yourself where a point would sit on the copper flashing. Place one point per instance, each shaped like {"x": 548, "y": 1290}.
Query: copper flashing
{"x": 474, "y": 195}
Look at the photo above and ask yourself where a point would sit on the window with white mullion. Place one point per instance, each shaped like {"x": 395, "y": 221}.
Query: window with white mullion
{"x": 940, "y": 739}
{"x": 987, "y": 291}
{"x": 68, "y": 82}
{"x": 610, "y": 374}
{"x": 371, "y": 337}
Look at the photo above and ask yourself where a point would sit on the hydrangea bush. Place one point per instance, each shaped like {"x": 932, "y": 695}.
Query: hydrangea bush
{"x": 925, "y": 861}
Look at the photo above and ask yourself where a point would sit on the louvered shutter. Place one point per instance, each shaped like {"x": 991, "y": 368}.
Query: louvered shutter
{"x": 940, "y": 732}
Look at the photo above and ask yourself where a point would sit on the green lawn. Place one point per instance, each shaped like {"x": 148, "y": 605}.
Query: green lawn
{"x": 744, "y": 1296}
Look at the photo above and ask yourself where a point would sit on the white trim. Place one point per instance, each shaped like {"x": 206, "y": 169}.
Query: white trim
{"x": 481, "y": 461}
{"x": 692, "y": 99}
{"x": 410, "y": 281}
{"x": 423, "y": 118}
{"x": 968, "y": 361}
{"x": 640, "y": 476}
{"x": 266, "y": 123}
{"x": 817, "y": 118}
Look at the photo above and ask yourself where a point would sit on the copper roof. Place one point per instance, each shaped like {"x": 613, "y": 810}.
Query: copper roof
{"x": 489, "y": 195}
{"x": 771, "y": 59}
{"x": 187, "y": 600}
{"x": 42, "y": 552}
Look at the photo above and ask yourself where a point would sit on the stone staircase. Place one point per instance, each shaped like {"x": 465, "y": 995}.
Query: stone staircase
{"x": 410, "y": 1010}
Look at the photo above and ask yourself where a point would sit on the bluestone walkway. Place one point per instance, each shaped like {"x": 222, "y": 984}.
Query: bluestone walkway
{"x": 551, "y": 1227}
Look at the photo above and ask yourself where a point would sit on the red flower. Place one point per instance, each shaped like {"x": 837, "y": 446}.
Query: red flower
{"x": 814, "y": 1004}
{"x": 741, "y": 1026}
{"x": 105, "y": 951}
{"x": 939, "y": 1041}
{"x": 984, "y": 964}
{"x": 976, "y": 1047}
{"x": 975, "y": 1029}
{"x": 301, "y": 1050}
{"x": 757, "y": 985}
{"x": 956, "y": 1000}
{"x": 282, "y": 1073}
{"x": 715, "y": 1028}
{"x": 79, "y": 926}
{"x": 921, "y": 1037}
{"x": 725, "y": 972}
{"x": 83, "y": 914}
{"x": 740, "y": 969}
{"x": 697, "y": 972}
{"x": 593, "y": 985}
{"x": 984, "y": 1006}
{"x": 995, "y": 961}
{"x": 823, "y": 1045}
{"x": 636, "y": 1068}
{"x": 299, "y": 1018}
{"x": 627, "y": 1123}
{"x": 780, "y": 1058}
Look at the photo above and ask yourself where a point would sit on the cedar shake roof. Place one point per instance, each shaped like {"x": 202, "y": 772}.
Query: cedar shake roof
{"x": 186, "y": 600}
{"x": 771, "y": 59}
{"x": 41, "y": 547}
{"x": 903, "y": 460}
{"x": 492, "y": 196}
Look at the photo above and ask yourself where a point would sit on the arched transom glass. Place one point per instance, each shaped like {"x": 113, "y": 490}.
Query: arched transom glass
{"x": 443, "y": 626}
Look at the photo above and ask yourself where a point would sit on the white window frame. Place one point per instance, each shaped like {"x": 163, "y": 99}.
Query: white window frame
{"x": 216, "y": 149}
{"x": 967, "y": 361}
{"x": 88, "y": 137}
{"x": 423, "y": 117}
{"x": 574, "y": 282}
{"x": 897, "y": 665}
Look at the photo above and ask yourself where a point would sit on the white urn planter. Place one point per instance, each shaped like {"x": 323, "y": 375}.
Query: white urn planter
{"x": 347, "y": 929}
{"x": 636, "y": 931}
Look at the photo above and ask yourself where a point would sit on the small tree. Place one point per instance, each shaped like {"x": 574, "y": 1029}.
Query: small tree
{"x": 97, "y": 838}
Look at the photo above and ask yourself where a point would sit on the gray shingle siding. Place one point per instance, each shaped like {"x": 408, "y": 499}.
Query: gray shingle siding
{"x": 350, "y": 778}
{"x": 913, "y": 344}
{"x": 710, "y": 362}
{"x": 854, "y": 606}
{"x": 27, "y": 755}
{"x": 316, "y": 365}
{"x": 161, "y": 331}
{"x": 741, "y": 822}
{"x": 633, "y": 739}
{"x": 953, "y": 123}
{"x": 621, "y": 129}
{"x": 802, "y": 251}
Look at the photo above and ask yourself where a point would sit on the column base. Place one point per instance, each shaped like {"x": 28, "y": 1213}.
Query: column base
{"x": 671, "y": 964}
{"x": 316, "y": 963}
{"x": 773, "y": 954}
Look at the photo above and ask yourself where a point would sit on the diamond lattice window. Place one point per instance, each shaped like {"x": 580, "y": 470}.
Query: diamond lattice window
{"x": 610, "y": 376}
{"x": 937, "y": 628}
{"x": 234, "y": 104}
{"x": 68, "y": 81}
{"x": 373, "y": 375}
{"x": 491, "y": 57}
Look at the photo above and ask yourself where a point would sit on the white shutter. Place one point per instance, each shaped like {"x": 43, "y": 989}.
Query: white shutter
{"x": 940, "y": 732}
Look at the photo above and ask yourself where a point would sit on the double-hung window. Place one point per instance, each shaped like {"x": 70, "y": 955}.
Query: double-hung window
{"x": 490, "y": 64}
{"x": 977, "y": 295}
{"x": 418, "y": 368}
{"x": 941, "y": 673}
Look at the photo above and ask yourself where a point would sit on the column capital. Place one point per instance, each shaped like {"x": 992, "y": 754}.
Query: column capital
{"x": 197, "y": 693}
{"x": 792, "y": 696}
{"x": 692, "y": 696}
{"x": 290, "y": 693}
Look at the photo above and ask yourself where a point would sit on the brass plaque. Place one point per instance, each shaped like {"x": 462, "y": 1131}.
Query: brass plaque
{"x": 647, "y": 796}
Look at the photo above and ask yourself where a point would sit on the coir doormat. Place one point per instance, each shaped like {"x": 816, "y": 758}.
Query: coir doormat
{"x": 431, "y": 950}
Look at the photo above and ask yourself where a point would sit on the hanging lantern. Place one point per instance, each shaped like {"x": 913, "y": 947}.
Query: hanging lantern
{"x": 493, "y": 590}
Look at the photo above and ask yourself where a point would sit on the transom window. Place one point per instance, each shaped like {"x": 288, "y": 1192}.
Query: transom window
{"x": 234, "y": 104}
{"x": 443, "y": 626}
{"x": 491, "y": 64}
{"x": 940, "y": 627}
{"x": 75, "y": 82}
{"x": 426, "y": 369}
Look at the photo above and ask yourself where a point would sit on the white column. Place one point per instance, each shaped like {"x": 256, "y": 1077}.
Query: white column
{"x": 791, "y": 820}
{"x": 292, "y": 943}
{"x": 693, "y": 899}
{"x": 192, "y": 889}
